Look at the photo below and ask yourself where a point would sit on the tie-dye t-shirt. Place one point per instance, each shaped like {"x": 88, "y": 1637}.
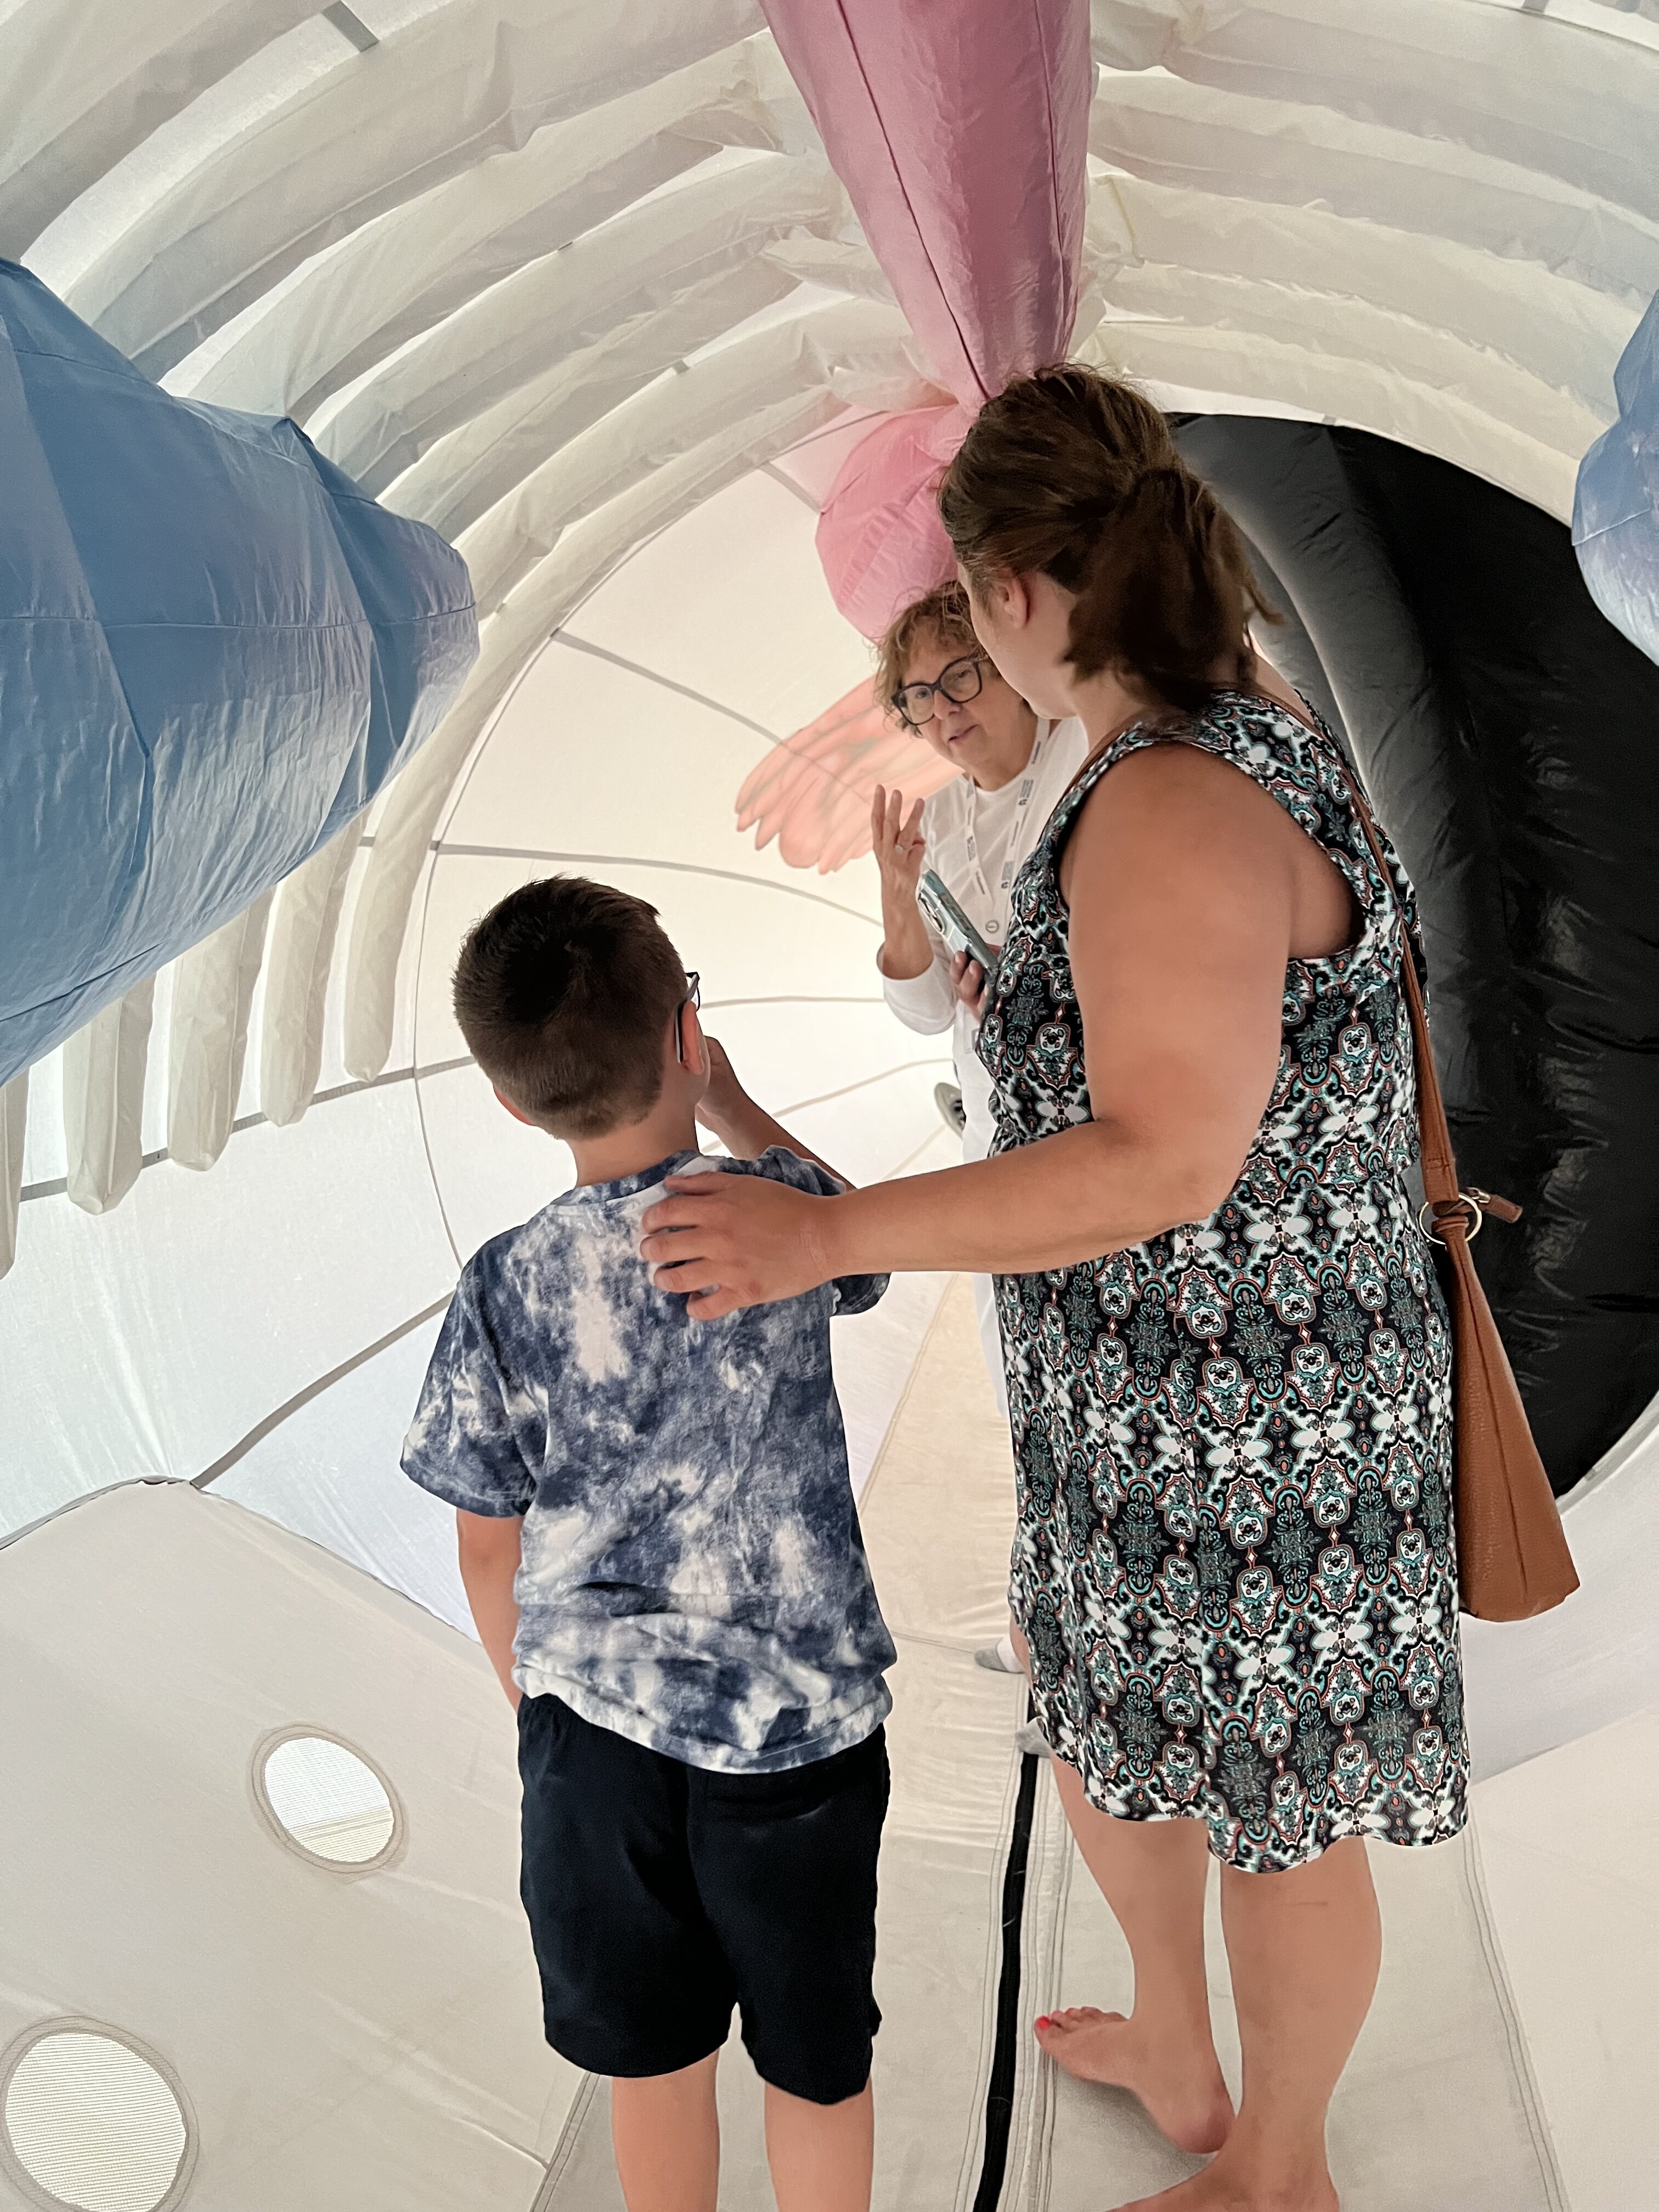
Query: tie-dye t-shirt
{"x": 693, "y": 1574}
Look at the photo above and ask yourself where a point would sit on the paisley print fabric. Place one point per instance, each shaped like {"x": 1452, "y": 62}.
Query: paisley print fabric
{"x": 1235, "y": 1561}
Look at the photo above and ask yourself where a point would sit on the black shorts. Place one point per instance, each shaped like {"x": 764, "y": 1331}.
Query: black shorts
{"x": 662, "y": 1894}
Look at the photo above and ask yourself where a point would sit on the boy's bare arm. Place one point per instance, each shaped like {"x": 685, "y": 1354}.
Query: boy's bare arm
{"x": 489, "y": 1550}
{"x": 745, "y": 1129}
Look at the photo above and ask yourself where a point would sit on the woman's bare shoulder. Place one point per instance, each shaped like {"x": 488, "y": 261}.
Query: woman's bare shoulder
{"x": 1168, "y": 778}
{"x": 1175, "y": 813}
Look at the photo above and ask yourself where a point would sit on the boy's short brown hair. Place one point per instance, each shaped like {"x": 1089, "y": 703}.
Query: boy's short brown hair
{"x": 943, "y": 615}
{"x": 563, "y": 992}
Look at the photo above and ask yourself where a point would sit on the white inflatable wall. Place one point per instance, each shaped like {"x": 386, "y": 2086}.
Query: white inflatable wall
{"x": 571, "y": 280}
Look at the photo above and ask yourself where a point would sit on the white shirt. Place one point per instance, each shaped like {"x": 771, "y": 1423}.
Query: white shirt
{"x": 977, "y": 842}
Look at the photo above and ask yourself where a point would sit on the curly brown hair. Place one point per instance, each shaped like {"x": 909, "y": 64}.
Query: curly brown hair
{"x": 943, "y": 617}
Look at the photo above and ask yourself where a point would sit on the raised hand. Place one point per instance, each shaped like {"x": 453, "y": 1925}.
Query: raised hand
{"x": 898, "y": 844}
{"x": 725, "y": 1094}
{"x": 896, "y": 840}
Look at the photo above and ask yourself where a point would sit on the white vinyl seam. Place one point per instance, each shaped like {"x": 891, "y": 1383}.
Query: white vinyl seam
{"x": 305, "y": 919}
{"x": 1405, "y": 223}
{"x": 212, "y": 998}
{"x": 402, "y": 272}
{"x": 1550, "y": 326}
{"x": 483, "y": 460}
{"x": 640, "y": 261}
{"x": 1520, "y": 88}
{"x": 1259, "y": 363}
{"x": 76, "y": 107}
{"x": 471, "y": 79}
{"x": 14, "y": 1122}
{"x": 104, "y": 1067}
{"x": 848, "y": 347}
{"x": 1291, "y": 156}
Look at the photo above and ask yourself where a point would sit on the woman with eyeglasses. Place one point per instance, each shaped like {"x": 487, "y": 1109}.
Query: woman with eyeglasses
{"x": 1229, "y": 1360}
{"x": 1012, "y": 766}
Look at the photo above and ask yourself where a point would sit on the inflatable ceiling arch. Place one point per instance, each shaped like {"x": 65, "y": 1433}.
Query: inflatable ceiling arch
{"x": 661, "y": 315}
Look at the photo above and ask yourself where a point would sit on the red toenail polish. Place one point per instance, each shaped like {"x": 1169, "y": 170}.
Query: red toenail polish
{"x": 1043, "y": 2021}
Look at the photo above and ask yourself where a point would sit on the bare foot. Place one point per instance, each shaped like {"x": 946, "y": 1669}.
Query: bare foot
{"x": 1180, "y": 2084}
{"x": 1216, "y": 2189}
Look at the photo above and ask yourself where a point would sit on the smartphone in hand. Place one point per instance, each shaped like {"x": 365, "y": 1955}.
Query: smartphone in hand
{"x": 947, "y": 918}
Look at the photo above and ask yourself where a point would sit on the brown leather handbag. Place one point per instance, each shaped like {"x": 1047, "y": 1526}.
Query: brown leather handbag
{"x": 1512, "y": 1555}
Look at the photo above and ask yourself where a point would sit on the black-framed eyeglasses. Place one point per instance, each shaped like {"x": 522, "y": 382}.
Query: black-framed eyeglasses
{"x": 958, "y": 681}
{"x": 693, "y": 998}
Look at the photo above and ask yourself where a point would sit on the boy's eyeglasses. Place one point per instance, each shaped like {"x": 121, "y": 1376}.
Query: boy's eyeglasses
{"x": 959, "y": 681}
{"x": 693, "y": 998}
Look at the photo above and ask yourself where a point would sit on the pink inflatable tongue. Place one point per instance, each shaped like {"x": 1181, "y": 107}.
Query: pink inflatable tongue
{"x": 960, "y": 129}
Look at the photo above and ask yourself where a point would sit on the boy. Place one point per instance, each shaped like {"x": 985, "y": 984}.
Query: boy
{"x": 656, "y": 1522}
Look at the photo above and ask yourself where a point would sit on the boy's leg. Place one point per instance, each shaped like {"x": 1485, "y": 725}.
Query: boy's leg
{"x": 666, "y": 2132}
{"x": 786, "y": 1866}
{"x": 634, "y": 1982}
{"x": 821, "y": 2155}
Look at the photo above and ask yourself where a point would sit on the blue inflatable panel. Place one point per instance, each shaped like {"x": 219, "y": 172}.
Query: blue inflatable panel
{"x": 1615, "y": 510}
{"x": 214, "y": 652}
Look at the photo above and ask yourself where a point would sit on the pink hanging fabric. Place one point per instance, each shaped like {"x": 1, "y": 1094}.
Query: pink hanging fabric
{"x": 812, "y": 792}
{"x": 960, "y": 129}
{"x": 879, "y": 536}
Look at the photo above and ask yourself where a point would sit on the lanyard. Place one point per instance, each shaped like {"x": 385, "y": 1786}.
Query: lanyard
{"x": 1013, "y": 854}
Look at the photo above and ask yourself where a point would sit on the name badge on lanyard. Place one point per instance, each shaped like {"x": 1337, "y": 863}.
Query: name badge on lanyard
{"x": 1013, "y": 853}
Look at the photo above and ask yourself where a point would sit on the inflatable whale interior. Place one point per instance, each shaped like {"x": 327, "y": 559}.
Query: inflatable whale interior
{"x": 437, "y": 424}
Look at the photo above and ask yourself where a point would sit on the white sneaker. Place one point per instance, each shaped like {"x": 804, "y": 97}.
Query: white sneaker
{"x": 999, "y": 1658}
{"x": 952, "y": 1112}
{"x": 1031, "y": 1741}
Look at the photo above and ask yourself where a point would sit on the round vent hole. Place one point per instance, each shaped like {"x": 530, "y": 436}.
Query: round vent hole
{"x": 92, "y": 2122}
{"x": 330, "y": 1802}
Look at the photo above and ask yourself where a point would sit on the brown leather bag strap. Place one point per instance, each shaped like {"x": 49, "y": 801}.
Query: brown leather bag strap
{"x": 1512, "y": 1555}
{"x": 1440, "y": 1185}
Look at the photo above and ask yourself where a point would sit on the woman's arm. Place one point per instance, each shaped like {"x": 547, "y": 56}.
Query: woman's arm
{"x": 926, "y": 1003}
{"x": 919, "y": 980}
{"x": 1190, "y": 890}
{"x": 915, "y": 972}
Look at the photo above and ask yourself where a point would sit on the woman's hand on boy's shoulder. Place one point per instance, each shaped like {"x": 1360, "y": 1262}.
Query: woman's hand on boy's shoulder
{"x": 727, "y": 1242}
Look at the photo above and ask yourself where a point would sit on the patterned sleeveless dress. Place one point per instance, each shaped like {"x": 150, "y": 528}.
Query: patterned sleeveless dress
{"x": 1235, "y": 1563}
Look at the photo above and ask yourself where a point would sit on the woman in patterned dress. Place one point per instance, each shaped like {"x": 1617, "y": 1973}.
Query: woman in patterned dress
{"x": 1229, "y": 1364}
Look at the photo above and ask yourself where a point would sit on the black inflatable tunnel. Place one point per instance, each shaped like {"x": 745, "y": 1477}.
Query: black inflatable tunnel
{"x": 1510, "y": 738}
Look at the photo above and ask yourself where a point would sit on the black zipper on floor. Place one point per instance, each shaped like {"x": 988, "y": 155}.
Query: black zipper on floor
{"x": 1004, "y": 2049}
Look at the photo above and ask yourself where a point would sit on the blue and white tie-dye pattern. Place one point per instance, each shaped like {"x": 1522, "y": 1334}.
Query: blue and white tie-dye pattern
{"x": 693, "y": 1574}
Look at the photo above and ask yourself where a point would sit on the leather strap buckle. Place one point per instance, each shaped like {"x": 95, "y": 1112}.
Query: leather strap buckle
{"x": 1433, "y": 1212}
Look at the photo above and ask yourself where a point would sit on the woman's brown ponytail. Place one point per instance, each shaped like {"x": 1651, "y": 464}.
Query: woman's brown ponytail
{"x": 1072, "y": 473}
{"x": 1162, "y": 595}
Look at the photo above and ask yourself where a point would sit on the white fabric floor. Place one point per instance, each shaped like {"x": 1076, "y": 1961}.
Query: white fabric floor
{"x": 381, "y": 2023}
